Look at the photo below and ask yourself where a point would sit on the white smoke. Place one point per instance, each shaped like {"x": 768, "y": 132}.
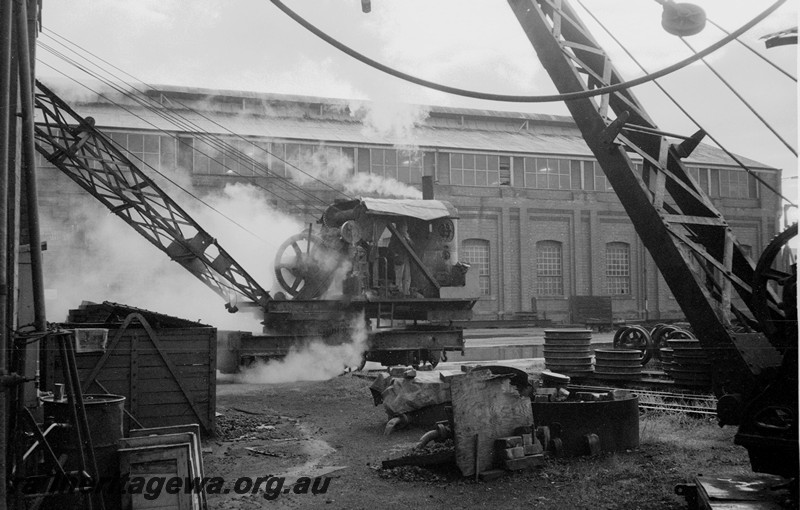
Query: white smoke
{"x": 368, "y": 184}
{"x": 316, "y": 362}
{"x": 95, "y": 256}
{"x": 335, "y": 168}
{"x": 323, "y": 164}
{"x": 390, "y": 120}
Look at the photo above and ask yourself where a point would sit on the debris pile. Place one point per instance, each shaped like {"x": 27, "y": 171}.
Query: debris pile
{"x": 237, "y": 426}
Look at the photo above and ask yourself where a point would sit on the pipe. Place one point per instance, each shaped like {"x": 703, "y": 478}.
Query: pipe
{"x": 396, "y": 422}
{"x": 427, "y": 438}
{"x": 29, "y": 162}
{"x": 6, "y": 15}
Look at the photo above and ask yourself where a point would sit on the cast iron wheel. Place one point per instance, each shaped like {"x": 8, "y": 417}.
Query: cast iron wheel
{"x": 299, "y": 266}
{"x": 634, "y": 337}
{"x": 659, "y": 335}
{"x": 778, "y": 319}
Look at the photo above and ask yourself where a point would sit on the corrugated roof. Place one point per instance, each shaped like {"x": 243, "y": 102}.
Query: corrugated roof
{"x": 353, "y": 132}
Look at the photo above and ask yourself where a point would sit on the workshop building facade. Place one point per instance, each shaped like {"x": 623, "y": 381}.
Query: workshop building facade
{"x": 538, "y": 220}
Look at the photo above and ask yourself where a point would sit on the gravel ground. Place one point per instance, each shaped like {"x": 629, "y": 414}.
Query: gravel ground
{"x": 331, "y": 429}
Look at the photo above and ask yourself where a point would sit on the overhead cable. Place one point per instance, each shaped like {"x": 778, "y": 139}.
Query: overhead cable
{"x": 162, "y": 174}
{"x": 160, "y": 110}
{"x": 212, "y": 141}
{"x": 758, "y": 54}
{"x": 521, "y": 98}
{"x": 113, "y": 86}
{"x": 733, "y": 156}
{"x": 742, "y": 99}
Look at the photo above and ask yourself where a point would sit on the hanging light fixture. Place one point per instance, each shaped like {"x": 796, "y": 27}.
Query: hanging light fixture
{"x": 682, "y": 19}
{"x": 366, "y": 6}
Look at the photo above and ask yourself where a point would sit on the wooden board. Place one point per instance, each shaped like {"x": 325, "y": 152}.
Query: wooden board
{"x": 486, "y": 406}
{"x": 157, "y": 461}
{"x": 167, "y": 376}
{"x": 163, "y": 439}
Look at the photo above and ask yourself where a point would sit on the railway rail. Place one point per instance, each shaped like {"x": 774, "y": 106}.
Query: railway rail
{"x": 652, "y": 400}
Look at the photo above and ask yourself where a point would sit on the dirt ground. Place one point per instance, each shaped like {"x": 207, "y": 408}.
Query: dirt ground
{"x": 331, "y": 429}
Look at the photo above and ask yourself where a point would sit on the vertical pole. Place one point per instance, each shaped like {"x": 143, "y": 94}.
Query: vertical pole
{"x": 6, "y": 15}
{"x": 29, "y": 161}
{"x": 427, "y": 187}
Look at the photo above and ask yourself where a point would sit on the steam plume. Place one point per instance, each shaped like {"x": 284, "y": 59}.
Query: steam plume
{"x": 317, "y": 362}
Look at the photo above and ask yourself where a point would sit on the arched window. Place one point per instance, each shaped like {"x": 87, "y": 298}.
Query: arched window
{"x": 549, "y": 275}
{"x": 475, "y": 252}
{"x": 618, "y": 268}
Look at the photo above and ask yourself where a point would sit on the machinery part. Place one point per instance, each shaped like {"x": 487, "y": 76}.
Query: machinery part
{"x": 445, "y": 229}
{"x": 660, "y": 340}
{"x": 440, "y": 433}
{"x": 398, "y": 422}
{"x": 309, "y": 272}
{"x": 351, "y": 232}
{"x": 634, "y": 337}
{"x": 568, "y": 351}
{"x": 682, "y": 19}
{"x": 689, "y": 492}
{"x": 658, "y": 335}
{"x": 339, "y": 213}
{"x": 426, "y": 438}
{"x": 777, "y": 321}
{"x": 621, "y": 364}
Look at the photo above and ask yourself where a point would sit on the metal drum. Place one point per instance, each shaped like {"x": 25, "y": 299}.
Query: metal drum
{"x": 568, "y": 351}
{"x": 618, "y": 364}
{"x": 615, "y": 422}
{"x": 104, "y": 414}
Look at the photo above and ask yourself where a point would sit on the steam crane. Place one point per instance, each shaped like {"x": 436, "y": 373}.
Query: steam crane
{"x": 694, "y": 247}
{"x": 348, "y": 252}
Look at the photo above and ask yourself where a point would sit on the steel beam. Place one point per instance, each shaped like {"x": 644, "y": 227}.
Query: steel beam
{"x": 656, "y": 198}
{"x": 71, "y": 143}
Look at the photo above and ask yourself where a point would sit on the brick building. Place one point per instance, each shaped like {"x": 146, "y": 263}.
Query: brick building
{"x": 538, "y": 221}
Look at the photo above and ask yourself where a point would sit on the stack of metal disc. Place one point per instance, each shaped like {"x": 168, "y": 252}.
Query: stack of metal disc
{"x": 568, "y": 351}
{"x": 666, "y": 359}
{"x": 690, "y": 365}
{"x": 617, "y": 364}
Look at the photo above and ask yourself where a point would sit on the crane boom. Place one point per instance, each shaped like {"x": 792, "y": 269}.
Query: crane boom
{"x": 72, "y": 144}
{"x": 687, "y": 237}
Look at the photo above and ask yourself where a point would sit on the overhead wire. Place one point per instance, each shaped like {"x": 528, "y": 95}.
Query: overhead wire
{"x": 758, "y": 54}
{"x": 188, "y": 192}
{"x": 522, "y": 98}
{"x": 162, "y": 111}
{"x": 138, "y": 100}
{"x": 731, "y": 155}
{"x": 741, "y": 98}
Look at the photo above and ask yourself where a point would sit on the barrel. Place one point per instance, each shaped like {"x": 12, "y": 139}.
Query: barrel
{"x": 104, "y": 414}
{"x": 618, "y": 364}
{"x": 568, "y": 350}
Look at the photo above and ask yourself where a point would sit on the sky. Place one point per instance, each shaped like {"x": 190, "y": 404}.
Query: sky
{"x": 475, "y": 44}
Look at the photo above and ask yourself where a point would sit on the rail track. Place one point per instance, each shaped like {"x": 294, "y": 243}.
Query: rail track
{"x": 652, "y": 400}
